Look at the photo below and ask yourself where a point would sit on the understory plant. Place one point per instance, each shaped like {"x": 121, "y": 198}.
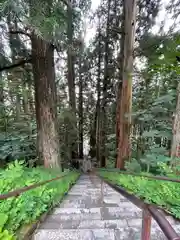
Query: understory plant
{"x": 162, "y": 193}
{"x": 26, "y": 208}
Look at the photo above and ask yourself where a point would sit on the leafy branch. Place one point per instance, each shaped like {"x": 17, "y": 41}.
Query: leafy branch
{"x": 19, "y": 63}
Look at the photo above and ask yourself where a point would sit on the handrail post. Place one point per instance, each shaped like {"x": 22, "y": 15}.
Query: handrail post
{"x": 146, "y": 225}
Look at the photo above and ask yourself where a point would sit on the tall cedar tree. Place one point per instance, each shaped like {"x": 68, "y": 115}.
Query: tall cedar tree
{"x": 45, "y": 98}
{"x": 98, "y": 87}
{"x": 104, "y": 91}
{"x": 124, "y": 100}
{"x": 80, "y": 103}
{"x": 71, "y": 72}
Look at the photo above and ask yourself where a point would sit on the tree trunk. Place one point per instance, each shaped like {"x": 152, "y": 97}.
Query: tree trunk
{"x": 175, "y": 149}
{"x": 125, "y": 94}
{"x": 121, "y": 67}
{"x": 98, "y": 110}
{"x": 98, "y": 145}
{"x": 2, "y": 107}
{"x": 105, "y": 87}
{"x": 92, "y": 143}
{"x": 25, "y": 99}
{"x": 31, "y": 100}
{"x": 45, "y": 100}
{"x": 80, "y": 108}
{"x": 18, "y": 105}
{"x": 16, "y": 74}
{"x": 71, "y": 74}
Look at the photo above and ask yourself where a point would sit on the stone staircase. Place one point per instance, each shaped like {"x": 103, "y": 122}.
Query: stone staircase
{"x": 94, "y": 211}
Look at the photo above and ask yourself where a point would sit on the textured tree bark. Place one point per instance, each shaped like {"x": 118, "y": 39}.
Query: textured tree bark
{"x": 31, "y": 100}
{"x": 92, "y": 141}
{"x": 175, "y": 148}
{"x": 121, "y": 67}
{"x": 80, "y": 108}
{"x": 98, "y": 110}
{"x": 104, "y": 93}
{"x": 16, "y": 74}
{"x": 71, "y": 74}
{"x": 98, "y": 145}
{"x": 18, "y": 105}
{"x": 25, "y": 99}
{"x": 45, "y": 99}
{"x": 125, "y": 93}
{"x": 2, "y": 108}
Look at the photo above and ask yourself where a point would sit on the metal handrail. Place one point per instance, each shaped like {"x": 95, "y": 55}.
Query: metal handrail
{"x": 149, "y": 211}
{"x": 163, "y": 223}
{"x": 19, "y": 191}
{"x": 163, "y": 178}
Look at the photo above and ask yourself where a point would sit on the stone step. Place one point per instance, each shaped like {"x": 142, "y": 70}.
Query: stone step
{"x": 92, "y": 211}
{"x": 69, "y": 211}
{"x": 95, "y": 200}
{"x": 137, "y": 222}
{"x": 75, "y": 214}
{"x": 104, "y": 213}
{"x": 96, "y": 234}
{"x": 83, "y": 192}
{"x": 85, "y": 224}
{"x": 89, "y": 202}
{"x": 112, "y": 213}
{"x": 55, "y": 223}
{"x": 92, "y": 189}
{"x": 76, "y": 234}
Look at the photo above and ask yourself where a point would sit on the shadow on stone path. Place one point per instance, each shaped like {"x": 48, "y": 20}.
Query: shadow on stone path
{"x": 94, "y": 211}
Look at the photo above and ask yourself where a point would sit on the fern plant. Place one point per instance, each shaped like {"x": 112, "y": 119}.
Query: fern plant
{"x": 26, "y": 208}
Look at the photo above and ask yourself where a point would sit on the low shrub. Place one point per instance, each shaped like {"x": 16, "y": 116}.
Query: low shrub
{"x": 162, "y": 193}
{"x": 26, "y": 208}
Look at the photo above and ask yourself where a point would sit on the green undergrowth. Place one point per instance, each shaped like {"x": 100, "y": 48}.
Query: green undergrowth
{"x": 162, "y": 193}
{"x": 26, "y": 208}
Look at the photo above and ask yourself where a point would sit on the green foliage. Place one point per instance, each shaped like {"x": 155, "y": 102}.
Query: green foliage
{"x": 133, "y": 165}
{"x": 17, "y": 147}
{"x": 154, "y": 98}
{"x": 49, "y": 22}
{"x": 5, "y": 235}
{"x": 151, "y": 162}
{"x": 27, "y": 207}
{"x": 46, "y": 23}
{"x": 68, "y": 132}
{"x": 111, "y": 149}
{"x": 163, "y": 193}
{"x": 17, "y": 139}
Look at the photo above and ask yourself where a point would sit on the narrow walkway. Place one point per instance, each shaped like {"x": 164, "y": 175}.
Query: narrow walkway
{"x": 94, "y": 211}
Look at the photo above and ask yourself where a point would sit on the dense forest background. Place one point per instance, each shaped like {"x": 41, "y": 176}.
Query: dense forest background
{"x": 118, "y": 92}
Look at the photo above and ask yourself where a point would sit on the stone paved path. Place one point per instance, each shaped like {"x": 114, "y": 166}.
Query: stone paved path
{"x": 94, "y": 211}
